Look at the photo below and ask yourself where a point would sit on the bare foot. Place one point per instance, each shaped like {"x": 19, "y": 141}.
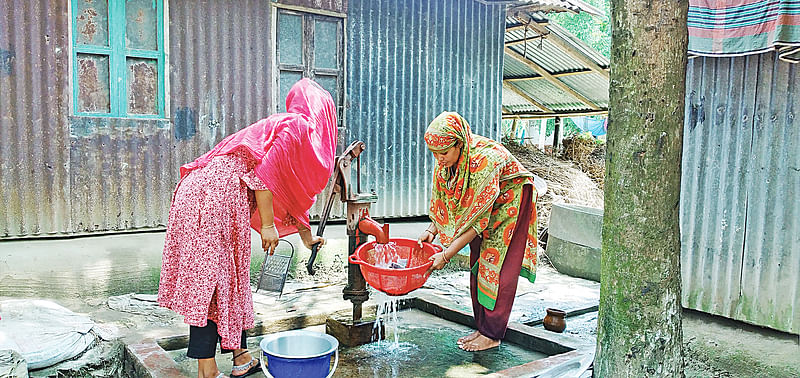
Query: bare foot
{"x": 480, "y": 343}
{"x": 468, "y": 338}
{"x": 207, "y": 368}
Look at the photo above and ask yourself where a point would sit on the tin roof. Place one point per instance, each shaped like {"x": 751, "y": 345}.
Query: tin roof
{"x": 548, "y": 72}
{"x": 575, "y": 6}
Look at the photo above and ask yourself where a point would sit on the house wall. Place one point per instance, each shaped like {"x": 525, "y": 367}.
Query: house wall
{"x": 61, "y": 174}
{"x": 35, "y": 186}
{"x": 407, "y": 61}
{"x": 740, "y": 190}
{"x": 221, "y": 75}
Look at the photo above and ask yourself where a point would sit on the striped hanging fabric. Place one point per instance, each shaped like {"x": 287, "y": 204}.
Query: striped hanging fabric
{"x": 723, "y": 28}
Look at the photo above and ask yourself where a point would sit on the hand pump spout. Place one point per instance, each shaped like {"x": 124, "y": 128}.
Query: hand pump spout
{"x": 369, "y": 226}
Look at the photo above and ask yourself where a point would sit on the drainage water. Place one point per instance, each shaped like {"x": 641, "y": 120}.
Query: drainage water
{"x": 424, "y": 345}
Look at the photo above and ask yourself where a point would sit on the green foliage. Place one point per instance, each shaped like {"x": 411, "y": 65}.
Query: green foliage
{"x": 594, "y": 30}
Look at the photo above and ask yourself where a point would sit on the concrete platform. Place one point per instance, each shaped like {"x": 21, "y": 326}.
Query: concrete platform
{"x": 81, "y": 273}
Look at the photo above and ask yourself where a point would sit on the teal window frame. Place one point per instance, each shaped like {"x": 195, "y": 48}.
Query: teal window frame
{"x": 118, "y": 53}
{"x": 307, "y": 67}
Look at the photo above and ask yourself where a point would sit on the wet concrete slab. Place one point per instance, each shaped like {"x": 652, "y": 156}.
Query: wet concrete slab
{"x": 305, "y": 304}
{"x": 427, "y": 348}
{"x": 550, "y": 290}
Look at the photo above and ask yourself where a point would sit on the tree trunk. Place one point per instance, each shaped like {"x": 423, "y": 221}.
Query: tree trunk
{"x": 639, "y": 327}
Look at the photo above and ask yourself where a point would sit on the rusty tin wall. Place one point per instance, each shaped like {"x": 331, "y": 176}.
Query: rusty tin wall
{"x": 218, "y": 83}
{"x": 220, "y": 71}
{"x": 34, "y": 104}
{"x": 740, "y": 208}
{"x": 61, "y": 174}
{"x": 407, "y": 61}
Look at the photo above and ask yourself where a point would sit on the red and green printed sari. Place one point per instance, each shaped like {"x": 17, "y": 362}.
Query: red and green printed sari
{"x": 483, "y": 192}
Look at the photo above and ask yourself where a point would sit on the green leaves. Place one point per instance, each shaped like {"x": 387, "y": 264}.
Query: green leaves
{"x": 594, "y": 30}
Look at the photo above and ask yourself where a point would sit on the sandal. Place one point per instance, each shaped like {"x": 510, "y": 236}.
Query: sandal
{"x": 249, "y": 368}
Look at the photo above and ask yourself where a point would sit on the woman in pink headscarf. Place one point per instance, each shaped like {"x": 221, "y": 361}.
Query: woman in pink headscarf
{"x": 266, "y": 176}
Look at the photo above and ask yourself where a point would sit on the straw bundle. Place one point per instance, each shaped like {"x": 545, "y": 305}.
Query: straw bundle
{"x": 566, "y": 183}
{"x": 589, "y": 156}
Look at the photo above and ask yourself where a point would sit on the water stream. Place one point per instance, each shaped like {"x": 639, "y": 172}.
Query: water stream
{"x": 419, "y": 344}
{"x": 386, "y": 256}
{"x": 386, "y": 315}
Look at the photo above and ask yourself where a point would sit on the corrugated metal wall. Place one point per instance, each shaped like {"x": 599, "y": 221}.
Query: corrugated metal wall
{"x": 61, "y": 174}
{"x": 740, "y": 208}
{"x": 407, "y": 61}
{"x": 220, "y": 71}
{"x": 34, "y": 105}
{"x": 121, "y": 177}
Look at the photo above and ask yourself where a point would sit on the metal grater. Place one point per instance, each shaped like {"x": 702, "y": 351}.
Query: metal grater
{"x": 274, "y": 271}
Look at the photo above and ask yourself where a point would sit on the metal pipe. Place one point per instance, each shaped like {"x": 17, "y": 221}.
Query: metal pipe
{"x": 369, "y": 226}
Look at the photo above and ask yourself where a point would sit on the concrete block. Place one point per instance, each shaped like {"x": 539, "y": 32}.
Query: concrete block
{"x": 148, "y": 360}
{"x": 352, "y": 334}
{"x": 577, "y": 224}
{"x": 574, "y": 259}
{"x": 574, "y": 240}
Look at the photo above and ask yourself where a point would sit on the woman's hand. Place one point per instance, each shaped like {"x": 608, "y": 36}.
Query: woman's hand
{"x": 308, "y": 238}
{"x": 312, "y": 240}
{"x": 425, "y": 237}
{"x": 269, "y": 238}
{"x": 439, "y": 261}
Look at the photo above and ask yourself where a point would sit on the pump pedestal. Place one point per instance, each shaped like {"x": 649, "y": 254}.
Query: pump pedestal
{"x": 351, "y": 333}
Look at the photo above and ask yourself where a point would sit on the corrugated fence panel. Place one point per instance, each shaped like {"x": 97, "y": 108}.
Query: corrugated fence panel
{"x": 34, "y": 160}
{"x": 407, "y": 62}
{"x": 220, "y": 71}
{"x": 771, "y": 276}
{"x": 716, "y": 149}
{"x": 120, "y": 173}
{"x": 739, "y": 190}
{"x": 61, "y": 174}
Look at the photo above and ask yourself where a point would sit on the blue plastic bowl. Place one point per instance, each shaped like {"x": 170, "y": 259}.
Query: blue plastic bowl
{"x": 299, "y": 353}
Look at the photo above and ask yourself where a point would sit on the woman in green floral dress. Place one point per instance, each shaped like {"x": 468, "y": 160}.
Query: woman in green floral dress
{"x": 482, "y": 196}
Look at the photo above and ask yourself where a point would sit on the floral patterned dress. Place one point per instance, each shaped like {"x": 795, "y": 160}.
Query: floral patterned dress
{"x": 482, "y": 191}
{"x": 205, "y": 271}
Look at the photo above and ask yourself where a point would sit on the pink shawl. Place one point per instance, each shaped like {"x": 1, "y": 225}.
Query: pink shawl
{"x": 295, "y": 149}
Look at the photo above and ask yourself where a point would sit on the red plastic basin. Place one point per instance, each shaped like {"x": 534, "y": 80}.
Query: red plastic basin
{"x": 396, "y": 281}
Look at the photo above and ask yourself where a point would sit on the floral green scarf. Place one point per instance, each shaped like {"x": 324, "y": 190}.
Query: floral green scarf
{"x": 466, "y": 195}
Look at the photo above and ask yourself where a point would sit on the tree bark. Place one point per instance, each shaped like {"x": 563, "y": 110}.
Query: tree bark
{"x": 639, "y": 327}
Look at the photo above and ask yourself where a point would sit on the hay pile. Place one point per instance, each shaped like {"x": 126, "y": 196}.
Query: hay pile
{"x": 588, "y": 154}
{"x": 566, "y": 182}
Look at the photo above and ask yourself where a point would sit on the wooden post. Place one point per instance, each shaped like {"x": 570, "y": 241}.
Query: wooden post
{"x": 542, "y": 132}
{"x": 557, "y": 134}
{"x": 514, "y": 129}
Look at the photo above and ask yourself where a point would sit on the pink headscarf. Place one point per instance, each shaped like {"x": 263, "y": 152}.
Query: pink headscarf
{"x": 296, "y": 150}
